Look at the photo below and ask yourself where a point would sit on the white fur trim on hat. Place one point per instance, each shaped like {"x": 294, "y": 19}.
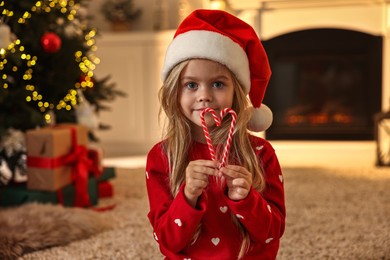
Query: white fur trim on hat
{"x": 261, "y": 119}
{"x": 208, "y": 45}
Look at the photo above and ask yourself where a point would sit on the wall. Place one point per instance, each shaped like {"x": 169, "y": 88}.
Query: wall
{"x": 134, "y": 62}
{"x": 134, "y": 59}
{"x": 148, "y": 20}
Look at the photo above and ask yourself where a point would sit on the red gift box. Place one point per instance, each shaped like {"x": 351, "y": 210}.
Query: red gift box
{"x": 105, "y": 189}
{"x": 95, "y": 154}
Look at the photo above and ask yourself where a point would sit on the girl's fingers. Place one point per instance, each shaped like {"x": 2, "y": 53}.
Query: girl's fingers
{"x": 197, "y": 178}
{"x": 240, "y": 183}
{"x": 238, "y": 180}
{"x": 207, "y": 163}
{"x": 197, "y": 174}
{"x": 197, "y": 184}
{"x": 202, "y": 167}
{"x": 234, "y": 171}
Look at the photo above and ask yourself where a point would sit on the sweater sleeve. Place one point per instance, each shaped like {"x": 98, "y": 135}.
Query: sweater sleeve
{"x": 174, "y": 221}
{"x": 263, "y": 214}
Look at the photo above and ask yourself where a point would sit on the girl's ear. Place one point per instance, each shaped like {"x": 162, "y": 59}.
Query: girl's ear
{"x": 261, "y": 118}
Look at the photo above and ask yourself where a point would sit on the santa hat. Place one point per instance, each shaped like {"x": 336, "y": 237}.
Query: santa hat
{"x": 219, "y": 36}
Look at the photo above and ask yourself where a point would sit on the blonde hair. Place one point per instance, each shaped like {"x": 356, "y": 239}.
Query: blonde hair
{"x": 177, "y": 136}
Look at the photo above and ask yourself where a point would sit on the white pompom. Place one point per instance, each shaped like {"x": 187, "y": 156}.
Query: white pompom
{"x": 5, "y": 172}
{"x": 261, "y": 119}
{"x": 86, "y": 113}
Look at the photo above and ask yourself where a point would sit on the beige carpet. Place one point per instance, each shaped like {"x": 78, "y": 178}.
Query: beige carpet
{"x": 332, "y": 214}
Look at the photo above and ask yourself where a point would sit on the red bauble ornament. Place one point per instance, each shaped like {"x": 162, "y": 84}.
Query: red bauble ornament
{"x": 51, "y": 42}
{"x": 83, "y": 78}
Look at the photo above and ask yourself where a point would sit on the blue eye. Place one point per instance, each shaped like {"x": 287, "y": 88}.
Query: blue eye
{"x": 191, "y": 85}
{"x": 218, "y": 84}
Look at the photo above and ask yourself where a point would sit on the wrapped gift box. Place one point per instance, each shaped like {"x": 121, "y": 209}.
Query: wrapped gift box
{"x": 105, "y": 189}
{"x": 16, "y": 195}
{"x": 47, "y": 149}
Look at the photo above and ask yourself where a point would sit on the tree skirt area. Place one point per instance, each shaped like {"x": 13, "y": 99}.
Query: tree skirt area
{"x": 331, "y": 214}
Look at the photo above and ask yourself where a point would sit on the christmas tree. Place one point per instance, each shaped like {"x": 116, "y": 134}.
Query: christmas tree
{"x": 47, "y": 64}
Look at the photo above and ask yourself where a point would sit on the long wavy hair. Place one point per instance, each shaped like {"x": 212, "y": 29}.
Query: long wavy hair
{"x": 177, "y": 136}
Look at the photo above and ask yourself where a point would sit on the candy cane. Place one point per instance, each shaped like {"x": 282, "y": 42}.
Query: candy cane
{"x": 218, "y": 121}
{"x": 230, "y": 134}
{"x": 206, "y": 130}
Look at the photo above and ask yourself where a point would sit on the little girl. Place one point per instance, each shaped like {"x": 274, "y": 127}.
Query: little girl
{"x": 199, "y": 210}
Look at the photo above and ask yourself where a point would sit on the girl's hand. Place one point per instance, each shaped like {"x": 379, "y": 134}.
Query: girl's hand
{"x": 238, "y": 180}
{"x": 197, "y": 179}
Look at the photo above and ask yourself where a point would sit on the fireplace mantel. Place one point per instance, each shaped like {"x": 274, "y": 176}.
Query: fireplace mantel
{"x": 292, "y": 4}
{"x": 272, "y": 18}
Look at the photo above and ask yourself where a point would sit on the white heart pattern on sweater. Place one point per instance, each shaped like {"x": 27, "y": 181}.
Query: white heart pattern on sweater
{"x": 223, "y": 209}
{"x": 258, "y": 148}
{"x": 178, "y": 222}
{"x": 215, "y": 241}
{"x": 239, "y": 216}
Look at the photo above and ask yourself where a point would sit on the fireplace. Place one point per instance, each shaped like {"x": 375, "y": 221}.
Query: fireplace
{"x": 326, "y": 84}
{"x": 330, "y": 62}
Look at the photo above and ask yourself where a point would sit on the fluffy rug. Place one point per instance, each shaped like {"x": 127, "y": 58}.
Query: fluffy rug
{"x": 37, "y": 226}
{"x": 337, "y": 214}
{"x": 332, "y": 214}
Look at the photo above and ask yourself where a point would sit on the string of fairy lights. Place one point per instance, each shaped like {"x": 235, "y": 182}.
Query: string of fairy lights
{"x": 86, "y": 62}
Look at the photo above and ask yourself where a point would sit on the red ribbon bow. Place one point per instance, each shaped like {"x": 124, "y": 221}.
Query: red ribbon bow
{"x": 81, "y": 164}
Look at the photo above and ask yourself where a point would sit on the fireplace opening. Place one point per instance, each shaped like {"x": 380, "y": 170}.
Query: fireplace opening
{"x": 325, "y": 85}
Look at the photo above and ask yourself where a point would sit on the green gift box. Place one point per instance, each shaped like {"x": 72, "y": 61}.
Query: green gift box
{"x": 67, "y": 194}
{"x": 15, "y": 195}
{"x": 108, "y": 173}
{"x": 19, "y": 194}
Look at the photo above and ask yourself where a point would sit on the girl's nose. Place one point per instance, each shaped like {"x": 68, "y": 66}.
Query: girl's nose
{"x": 204, "y": 94}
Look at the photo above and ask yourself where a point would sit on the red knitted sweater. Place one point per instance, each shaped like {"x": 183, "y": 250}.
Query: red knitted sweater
{"x": 174, "y": 221}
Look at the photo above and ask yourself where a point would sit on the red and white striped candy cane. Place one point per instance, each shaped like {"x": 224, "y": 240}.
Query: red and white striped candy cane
{"x": 230, "y": 134}
{"x": 218, "y": 121}
{"x": 206, "y": 130}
